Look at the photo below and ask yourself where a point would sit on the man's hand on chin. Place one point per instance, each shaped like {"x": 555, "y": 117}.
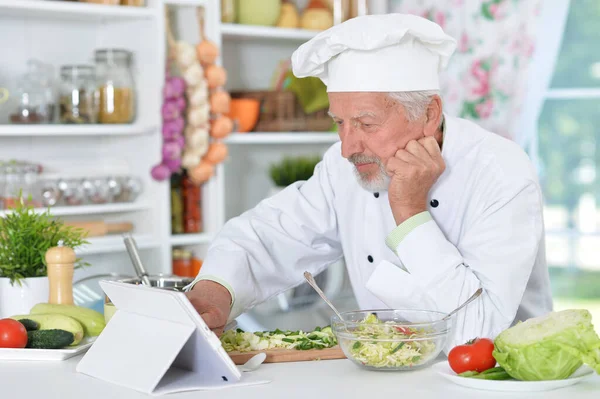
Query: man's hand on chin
{"x": 413, "y": 171}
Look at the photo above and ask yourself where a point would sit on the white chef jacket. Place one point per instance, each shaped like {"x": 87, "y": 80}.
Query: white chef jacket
{"x": 484, "y": 228}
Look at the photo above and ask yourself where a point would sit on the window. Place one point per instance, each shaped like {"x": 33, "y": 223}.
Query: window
{"x": 566, "y": 150}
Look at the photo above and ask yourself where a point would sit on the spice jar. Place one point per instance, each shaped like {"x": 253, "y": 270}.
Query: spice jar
{"x": 34, "y": 96}
{"x": 2, "y": 184}
{"x": 182, "y": 262}
{"x": 14, "y": 184}
{"x": 78, "y": 99}
{"x": 116, "y": 87}
{"x": 192, "y": 217}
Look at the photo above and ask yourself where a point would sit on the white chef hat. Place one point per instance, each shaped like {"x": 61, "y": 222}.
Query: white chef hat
{"x": 377, "y": 53}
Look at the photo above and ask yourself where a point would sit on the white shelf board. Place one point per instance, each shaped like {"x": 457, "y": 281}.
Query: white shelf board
{"x": 266, "y": 32}
{"x": 283, "y": 138}
{"x": 191, "y": 239}
{"x": 108, "y": 244}
{"x": 90, "y": 209}
{"x": 74, "y": 130}
{"x": 70, "y": 10}
{"x": 574, "y": 94}
{"x": 190, "y": 3}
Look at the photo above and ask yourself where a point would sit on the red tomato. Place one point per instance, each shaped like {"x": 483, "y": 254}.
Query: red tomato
{"x": 404, "y": 330}
{"x": 12, "y": 334}
{"x": 475, "y": 355}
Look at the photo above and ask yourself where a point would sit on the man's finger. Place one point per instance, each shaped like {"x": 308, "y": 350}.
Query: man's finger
{"x": 407, "y": 157}
{"x": 431, "y": 145}
{"x": 212, "y": 319}
{"x": 218, "y": 331}
{"x": 416, "y": 148}
{"x": 394, "y": 164}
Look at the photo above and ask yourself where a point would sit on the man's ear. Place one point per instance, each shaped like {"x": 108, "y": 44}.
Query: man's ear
{"x": 433, "y": 116}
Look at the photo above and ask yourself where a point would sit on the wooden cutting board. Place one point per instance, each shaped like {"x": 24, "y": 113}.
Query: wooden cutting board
{"x": 290, "y": 355}
{"x": 100, "y": 228}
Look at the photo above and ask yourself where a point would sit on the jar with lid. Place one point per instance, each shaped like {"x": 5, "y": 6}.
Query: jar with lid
{"x": 14, "y": 185}
{"x": 116, "y": 87}
{"x": 78, "y": 98}
{"x": 192, "y": 210}
{"x": 34, "y": 95}
{"x": 2, "y": 184}
{"x": 182, "y": 262}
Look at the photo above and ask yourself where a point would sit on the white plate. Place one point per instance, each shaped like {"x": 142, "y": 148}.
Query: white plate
{"x": 445, "y": 371}
{"x": 46, "y": 354}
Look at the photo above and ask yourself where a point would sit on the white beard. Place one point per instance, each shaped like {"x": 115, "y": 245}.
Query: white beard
{"x": 377, "y": 183}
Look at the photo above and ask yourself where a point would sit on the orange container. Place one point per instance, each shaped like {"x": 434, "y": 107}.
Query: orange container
{"x": 196, "y": 266}
{"x": 245, "y": 111}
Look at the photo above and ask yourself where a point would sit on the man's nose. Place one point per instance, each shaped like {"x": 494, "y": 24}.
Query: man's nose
{"x": 351, "y": 142}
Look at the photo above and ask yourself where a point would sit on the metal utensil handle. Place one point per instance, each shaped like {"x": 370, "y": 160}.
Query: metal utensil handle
{"x": 468, "y": 301}
{"x": 309, "y": 278}
{"x": 134, "y": 254}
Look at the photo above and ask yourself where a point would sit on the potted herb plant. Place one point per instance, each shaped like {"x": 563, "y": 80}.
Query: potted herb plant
{"x": 292, "y": 169}
{"x": 25, "y": 236}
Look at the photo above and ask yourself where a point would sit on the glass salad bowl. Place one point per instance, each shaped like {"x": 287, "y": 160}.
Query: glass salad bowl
{"x": 391, "y": 339}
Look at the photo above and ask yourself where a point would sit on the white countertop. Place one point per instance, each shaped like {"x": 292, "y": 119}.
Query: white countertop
{"x": 337, "y": 379}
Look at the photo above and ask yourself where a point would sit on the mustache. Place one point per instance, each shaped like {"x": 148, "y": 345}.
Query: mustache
{"x": 361, "y": 158}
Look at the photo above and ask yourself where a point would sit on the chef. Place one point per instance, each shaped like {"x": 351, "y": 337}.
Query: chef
{"x": 424, "y": 208}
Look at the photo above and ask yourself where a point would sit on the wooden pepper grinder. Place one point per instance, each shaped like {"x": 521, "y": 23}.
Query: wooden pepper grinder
{"x": 61, "y": 264}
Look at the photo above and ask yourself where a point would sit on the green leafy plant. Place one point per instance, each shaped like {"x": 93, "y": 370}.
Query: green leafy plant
{"x": 26, "y": 235}
{"x": 293, "y": 169}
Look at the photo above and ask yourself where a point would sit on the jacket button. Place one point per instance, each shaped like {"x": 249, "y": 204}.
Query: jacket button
{"x": 370, "y": 258}
{"x": 376, "y": 195}
{"x": 434, "y": 203}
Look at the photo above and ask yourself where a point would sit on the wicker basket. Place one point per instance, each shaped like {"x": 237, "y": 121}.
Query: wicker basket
{"x": 280, "y": 111}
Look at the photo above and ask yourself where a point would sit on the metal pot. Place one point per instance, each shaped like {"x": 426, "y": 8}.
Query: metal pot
{"x": 166, "y": 282}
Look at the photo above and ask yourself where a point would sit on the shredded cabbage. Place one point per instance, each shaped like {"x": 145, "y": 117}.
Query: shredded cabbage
{"x": 394, "y": 346}
{"x": 242, "y": 341}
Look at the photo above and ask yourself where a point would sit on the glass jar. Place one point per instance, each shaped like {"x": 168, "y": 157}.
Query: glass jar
{"x": 34, "y": 95}
{"x": 182, "y": 262}
{"x": 192, "y": 211}
{"x": 78, "y": 99}
{"x": 114, "y": 79}
{"x": 14, "y": 185}
{"x": 30, "y": 179}
{"x": 2, "y": 184}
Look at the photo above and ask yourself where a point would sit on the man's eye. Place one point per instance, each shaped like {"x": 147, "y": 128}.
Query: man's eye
{"x": 339, "y": 122}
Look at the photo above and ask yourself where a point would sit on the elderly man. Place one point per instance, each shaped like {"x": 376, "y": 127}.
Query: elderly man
{"x": 424, "y": 208}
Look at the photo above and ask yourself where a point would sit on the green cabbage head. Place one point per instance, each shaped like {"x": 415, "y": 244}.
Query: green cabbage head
{"x": 550, "y": 347}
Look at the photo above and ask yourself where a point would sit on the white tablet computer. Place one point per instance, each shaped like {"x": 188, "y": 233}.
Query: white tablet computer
{"x": 157, "y": 343}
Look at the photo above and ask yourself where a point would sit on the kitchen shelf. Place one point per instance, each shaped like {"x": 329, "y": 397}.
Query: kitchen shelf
{"x": 102, "y": 245}
{"x": 90, "y": 209}
{"x": 266, "y": 32}
{"x": 74, "y": 130}
{"x": 191, "y": 239}
{"x": 74, "y": 11}
{"x": 283, "y": 138}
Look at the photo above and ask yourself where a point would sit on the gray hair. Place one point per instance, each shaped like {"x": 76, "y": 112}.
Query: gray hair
{"x": 414, "y": 102}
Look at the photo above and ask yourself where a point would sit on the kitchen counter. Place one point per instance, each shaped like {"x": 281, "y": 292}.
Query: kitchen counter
{"x": 321, "y": 379}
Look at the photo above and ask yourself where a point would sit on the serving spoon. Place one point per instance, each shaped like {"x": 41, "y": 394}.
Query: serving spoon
{"x": 253, "y": 363}
{"x": 309, "y": 278}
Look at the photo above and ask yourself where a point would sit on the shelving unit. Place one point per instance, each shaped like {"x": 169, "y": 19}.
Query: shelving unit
{"x": 71, "y": 31}
{"x": 191, "y": 239}
{"x": 265, "y": 32}
{"x": 72, "y": 11}
{"x": 91, "y": 209}
{"x": 103, "y": 245}
{"x": 73, "y": 130}
{"x": 283, "y": 138}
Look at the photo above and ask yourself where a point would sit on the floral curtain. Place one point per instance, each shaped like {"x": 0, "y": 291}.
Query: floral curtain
{"x": 486, "y": 78}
